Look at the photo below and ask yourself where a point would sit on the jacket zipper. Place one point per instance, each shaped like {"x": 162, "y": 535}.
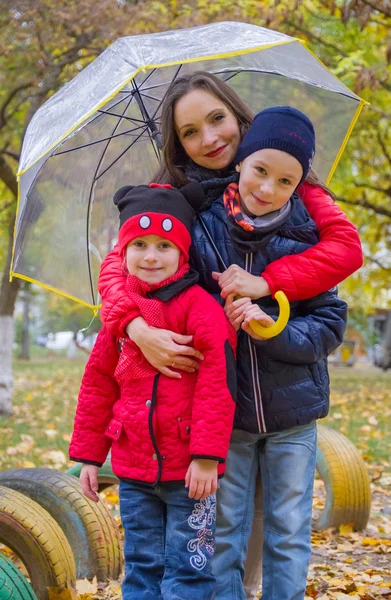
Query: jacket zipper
{"x": 254, "y": 368}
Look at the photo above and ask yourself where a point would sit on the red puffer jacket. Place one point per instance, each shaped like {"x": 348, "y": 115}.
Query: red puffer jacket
{"x": 155, "y": 424}
{"x": 320, "y": 268}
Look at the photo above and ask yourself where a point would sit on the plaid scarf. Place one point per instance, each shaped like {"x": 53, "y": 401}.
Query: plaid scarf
{"x": 251, "y": 234}
{"x": 131, "y": 362}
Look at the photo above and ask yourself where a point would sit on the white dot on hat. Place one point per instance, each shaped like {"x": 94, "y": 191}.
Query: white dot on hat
{"x": 167, "y": 224}
{"x": 144, "y": 222}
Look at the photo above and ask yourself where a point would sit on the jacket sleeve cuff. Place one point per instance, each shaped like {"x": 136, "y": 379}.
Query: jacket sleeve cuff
{"x": 86, "y": 462}
{"x": 270, "y": 283}
{"x": 126, "y": 320}
{"x": 206, "y": 457}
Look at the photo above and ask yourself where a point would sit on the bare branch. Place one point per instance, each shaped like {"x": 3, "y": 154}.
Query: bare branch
{"x": 11, "y": 154}
{"x": 380, "y": 210}
{"x": 375, "y": 188}
{"x": 4, "y": 208}
{"x": 383, "y": 147}
{"x": 315, "y": 38}
{"x": 378, "y": 263}
{"x": 379, "y": 111}
{"x": 11, "y": 95}
{"x": 384, "y": 11}
{"x": 8, "y": 177}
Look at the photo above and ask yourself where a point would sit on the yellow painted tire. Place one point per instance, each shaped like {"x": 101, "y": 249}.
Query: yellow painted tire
{"x": 38, "y": 541}
{"x": 90, "y": 528}
{"x": 345, "y": 476}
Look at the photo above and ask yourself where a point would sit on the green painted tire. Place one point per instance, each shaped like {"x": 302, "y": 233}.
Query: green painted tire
{"x": 106, "y": 477}
{"x": 89, "y": 527}
{"x": 345, "y": 476}
{"x": 13, "y": 586}
{"x": 38, "y": 541}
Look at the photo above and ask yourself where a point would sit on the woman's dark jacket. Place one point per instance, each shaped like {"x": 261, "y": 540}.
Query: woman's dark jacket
{"x": 282, "y": 382}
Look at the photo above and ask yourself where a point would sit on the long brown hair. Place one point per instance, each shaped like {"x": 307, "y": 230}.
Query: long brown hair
{"x": 172, "y": 167}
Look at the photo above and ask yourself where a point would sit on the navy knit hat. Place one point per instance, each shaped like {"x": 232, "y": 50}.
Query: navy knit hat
{"x": 282, "y": 128}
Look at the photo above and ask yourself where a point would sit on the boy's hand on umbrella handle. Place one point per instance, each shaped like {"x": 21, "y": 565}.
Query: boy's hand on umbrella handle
{"x": 234, "y": 308}
{"x": 89, "y": 481}
{"x": 254, "y": 313}
{"x": 166, "y": 350}
{"x": 201, "y": 478}
{"x": 236, "y": 280}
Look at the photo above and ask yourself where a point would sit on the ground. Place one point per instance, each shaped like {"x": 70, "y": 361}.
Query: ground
{"x": 344, "y": 564}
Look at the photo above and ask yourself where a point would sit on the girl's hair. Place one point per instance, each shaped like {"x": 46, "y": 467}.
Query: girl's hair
{"x": 174, "y": 160}
{"x": 313, "y": 179}
{"x": 172, "y": 168}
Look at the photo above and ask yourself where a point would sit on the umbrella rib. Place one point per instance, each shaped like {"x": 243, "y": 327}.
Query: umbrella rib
{"x": 144, "y": 95}
{"x": 97, "y": 141}
{"x": 106, "y": 112}
{"x": 166, "y": 92}
{"x": 112, "y": 106}
{"x": 94, "y": 179}
{"x": 120, "y": 155}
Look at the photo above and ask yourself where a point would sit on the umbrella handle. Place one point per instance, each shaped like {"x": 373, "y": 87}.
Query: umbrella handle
{"x": 279, "y": 325}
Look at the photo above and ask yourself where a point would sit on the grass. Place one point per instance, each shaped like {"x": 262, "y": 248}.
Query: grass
{"x": 38, "y": 433}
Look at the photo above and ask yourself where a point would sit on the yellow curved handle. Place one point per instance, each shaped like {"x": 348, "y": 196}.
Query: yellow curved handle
{"x": 280, "y": 324}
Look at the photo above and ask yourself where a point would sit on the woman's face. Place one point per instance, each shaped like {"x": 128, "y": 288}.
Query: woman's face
{"x": 207, "y": 129}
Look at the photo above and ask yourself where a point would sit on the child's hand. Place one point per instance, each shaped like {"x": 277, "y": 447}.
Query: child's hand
{"x": 253, "y": 312}
{"x": 237, "y": 281}
{"x": 89, "y": 481}
{"x": 235, "y": 310}
{"x": 201, "y": 478}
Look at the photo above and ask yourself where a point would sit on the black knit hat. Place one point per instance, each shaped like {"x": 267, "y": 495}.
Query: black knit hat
{"x": 158, "y": 209}
{"x": 282, "y": 128}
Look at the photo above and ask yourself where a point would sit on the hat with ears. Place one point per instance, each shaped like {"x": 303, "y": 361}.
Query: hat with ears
{"x": 160, "y": 210}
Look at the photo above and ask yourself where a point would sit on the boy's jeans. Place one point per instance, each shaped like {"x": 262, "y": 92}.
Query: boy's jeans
{"x": 287, "y": 460}
{"x": 169, "y": 543}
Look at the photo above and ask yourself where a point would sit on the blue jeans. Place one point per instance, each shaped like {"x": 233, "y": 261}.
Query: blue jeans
{"x": 169, "y": 543}
{"x": 287, "y": 462}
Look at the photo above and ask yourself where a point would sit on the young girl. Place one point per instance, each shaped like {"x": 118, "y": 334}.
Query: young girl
{"x": 203, "y": 123}
{"x": 169, "y": 437}
{"x": 283, "y": 383}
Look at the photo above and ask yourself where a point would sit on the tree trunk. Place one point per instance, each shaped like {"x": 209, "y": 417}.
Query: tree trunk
{"x": 8, "y": 293}
{"x": 25, "y": 351}
{"x": 6, "y": 378}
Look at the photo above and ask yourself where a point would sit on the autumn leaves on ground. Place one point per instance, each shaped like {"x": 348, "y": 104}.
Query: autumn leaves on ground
{"x": 344, "y": 564}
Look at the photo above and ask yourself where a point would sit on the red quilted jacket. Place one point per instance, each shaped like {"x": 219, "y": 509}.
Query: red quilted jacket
{"x": 154, "y": 424}
{"x": 320, "y": 268}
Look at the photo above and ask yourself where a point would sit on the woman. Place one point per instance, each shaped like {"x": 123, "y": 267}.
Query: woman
{"x": 203, "y": 123}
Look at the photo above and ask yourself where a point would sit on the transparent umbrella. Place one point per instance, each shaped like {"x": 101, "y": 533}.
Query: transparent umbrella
{"x": 101, "y": 131}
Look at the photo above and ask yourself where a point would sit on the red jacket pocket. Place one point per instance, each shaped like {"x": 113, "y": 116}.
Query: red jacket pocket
{"x": 114, "y": 429}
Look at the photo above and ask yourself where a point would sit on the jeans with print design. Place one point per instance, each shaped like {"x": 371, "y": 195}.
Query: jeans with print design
{"x": 287, "y": 462}
{"x": 169, "y": 543}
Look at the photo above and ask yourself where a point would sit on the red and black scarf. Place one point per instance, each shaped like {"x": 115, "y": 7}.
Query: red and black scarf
{"x": 250, "y": 234}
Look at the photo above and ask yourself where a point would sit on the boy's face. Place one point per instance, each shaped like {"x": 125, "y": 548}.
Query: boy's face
{"x": 152, "y": 258}
{"x": 267, "y": 180}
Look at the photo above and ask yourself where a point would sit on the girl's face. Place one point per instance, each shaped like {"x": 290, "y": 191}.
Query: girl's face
{"x": 207, "y": 129}
{"x": 152, "y": 258}
{"x": 267, "y": 180}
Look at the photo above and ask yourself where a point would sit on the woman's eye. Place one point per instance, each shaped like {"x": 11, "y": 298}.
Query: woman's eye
{"x": 188, "y": 132}
{"x": 218, "y": 117}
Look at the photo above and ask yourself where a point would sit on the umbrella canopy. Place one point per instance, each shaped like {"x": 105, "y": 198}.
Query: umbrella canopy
{"x": 101, "y": 131}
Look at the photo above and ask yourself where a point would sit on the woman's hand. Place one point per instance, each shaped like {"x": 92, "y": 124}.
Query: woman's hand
{"x": 237, "y": 281}
{"x": 235, "y": 310}
{"x": 253, "y": 312}
{"x": 89, "y": 481}
{"x": 164, "y": 349}
{"x": 201, "y": 478}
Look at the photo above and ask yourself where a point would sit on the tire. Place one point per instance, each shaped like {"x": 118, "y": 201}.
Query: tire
{"x": 38, "y": 540}
{"x": 91, "y": 531}
{"x": 345, "y": 476}
{"x": 106, "y": 477}
{"x": 13, "y": 586}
